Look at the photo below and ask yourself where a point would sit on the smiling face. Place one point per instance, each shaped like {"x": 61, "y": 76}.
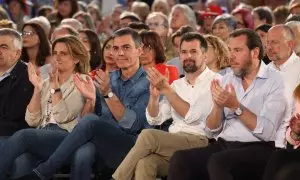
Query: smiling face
{"x": 192, "y": 56}
{"x": 221, "y": 30}
{"x": 125, "y": 52}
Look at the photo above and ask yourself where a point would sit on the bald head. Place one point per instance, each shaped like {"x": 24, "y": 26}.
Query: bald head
{"x": 280, "y": 43}
{"x": 282, "y": 30}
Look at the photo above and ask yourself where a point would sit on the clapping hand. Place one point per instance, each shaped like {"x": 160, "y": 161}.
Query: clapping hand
{"x": 85, "y": 86}
{"x": 102, "y": 80}
{"x": 295, "y": 124}
{"x": 35, "y": 76}
{"x": 224, "y": 97}
{"x": 158, "y": 81}
{"x": 53, "y": 74}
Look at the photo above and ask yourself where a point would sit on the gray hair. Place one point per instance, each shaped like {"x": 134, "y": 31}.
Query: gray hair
{"x": 74, "y": 23}
{"x": 187, "y": 12}
{"x": 228, "y": 19}
{"x": 160, "y": 14}
{"x": 18, "y": 43}
{"x": 293, "y": 24}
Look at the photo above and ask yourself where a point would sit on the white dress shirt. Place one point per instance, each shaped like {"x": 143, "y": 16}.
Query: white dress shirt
{"x": 200, "y": 100}
{"x": 290, "y": 71}
{"x": 264, "y": 97}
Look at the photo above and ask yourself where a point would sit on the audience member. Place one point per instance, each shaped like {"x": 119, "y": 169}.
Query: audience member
{"x": 280, "y": 160}
{"x": 54, "y": 107}
{"x": 142, "y": 9}
{"x": 262, "y": 31}
{"x": 218, "y": 55}
{"x": 85, "y": 19}
{"x": 280, "y": 14}
{"x": 36, "y": 46}
{"x": 74, "y": 23}
{"x": 92, "y": 44}
{"x": 153, "y": 56}
{"x": 280, "y": 44}
{"x": 262, "y": 15}
{"x": 158, "y": 22}
{"x": 176, "y": 39}
{"x": 182, "y": 101}
{"x": 223, "y": 25}
{"x": 295, "y": 27}
{"x": 15, "y": 87}
{"x": 249, "y": 105}
{"x": 243, "y": 18}
{"x": 160, "y": 6}
{"x": 127, "y": 17}
{"x": 181, "y": 15}
{"x": 124, "y": 97}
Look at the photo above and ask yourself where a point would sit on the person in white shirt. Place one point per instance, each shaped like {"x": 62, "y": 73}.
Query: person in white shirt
{"x": 280, "y": 44}
{"x": 187, "y": 101}
{"x": 248, "y": 106}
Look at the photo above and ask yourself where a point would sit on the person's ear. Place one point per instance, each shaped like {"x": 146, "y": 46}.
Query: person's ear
{"x": 18, "y": 53}
{"x": 291, "y": 44}
{"x": 255, "y": 53}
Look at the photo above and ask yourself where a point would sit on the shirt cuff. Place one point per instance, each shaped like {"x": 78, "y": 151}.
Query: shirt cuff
{"x": 259, "y": 125}
{"x": 128, "y": 119}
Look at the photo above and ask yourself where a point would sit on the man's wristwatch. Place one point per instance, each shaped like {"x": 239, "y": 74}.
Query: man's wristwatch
{"x": 109, "y": 95}
{"x": 239, "y": 110}
{"x": 53, "y": 91}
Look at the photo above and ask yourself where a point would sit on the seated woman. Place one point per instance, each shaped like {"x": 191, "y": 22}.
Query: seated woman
{"x": 153, "y": 55}
{"x": 223, "y": 25}
{"x": 284, "y": 160}
{"x": 107, "y": 63}
{"x": 92, "y": 44}
{"x": 218, "y": 59}
{"x": 36, "y": 46}
{"x": 55, "y": 107}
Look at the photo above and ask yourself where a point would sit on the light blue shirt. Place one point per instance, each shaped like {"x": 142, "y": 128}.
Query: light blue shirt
{"x": 264, "y": 97}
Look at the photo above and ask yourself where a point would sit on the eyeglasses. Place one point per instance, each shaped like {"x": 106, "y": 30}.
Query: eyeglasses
{"x": 147, "y": 48}
{"x": 27, "y": 33}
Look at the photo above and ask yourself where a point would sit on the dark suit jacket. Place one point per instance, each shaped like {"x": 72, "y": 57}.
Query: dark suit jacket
{"x": 15, "y": 93}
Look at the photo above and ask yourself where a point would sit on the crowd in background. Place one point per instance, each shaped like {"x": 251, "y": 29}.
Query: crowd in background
{"x": 206, "y": 89}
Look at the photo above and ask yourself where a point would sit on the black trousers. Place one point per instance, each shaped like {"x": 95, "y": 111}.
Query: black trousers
{"x": 221, "y": 160}
{"x": 280, "y": 161}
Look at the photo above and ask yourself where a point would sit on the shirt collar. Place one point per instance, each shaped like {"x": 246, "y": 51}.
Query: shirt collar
{"x": 134, "y": 78}
{"x": 7, "y": 73}
{"x": 201, "y": 77}
{"x": 287, "y": 64}
{"x": 263, "y": 71}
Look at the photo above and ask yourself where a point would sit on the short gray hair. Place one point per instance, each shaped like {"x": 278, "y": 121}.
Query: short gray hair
{"x": 160, "y": 14}
{"x": 187, "y": 12}
{"x": 18, "y": 42}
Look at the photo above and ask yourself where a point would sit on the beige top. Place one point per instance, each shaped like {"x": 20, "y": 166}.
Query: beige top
{"x": 64, "y": 113}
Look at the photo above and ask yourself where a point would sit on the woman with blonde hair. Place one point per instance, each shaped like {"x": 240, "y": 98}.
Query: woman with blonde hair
{"x": 56, "y": 105}
{"x": 218, "y": 55}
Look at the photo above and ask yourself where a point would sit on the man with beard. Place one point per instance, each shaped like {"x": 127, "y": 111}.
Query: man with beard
{"x": 248, "y": 106}
{"x": 187, "y": 101}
